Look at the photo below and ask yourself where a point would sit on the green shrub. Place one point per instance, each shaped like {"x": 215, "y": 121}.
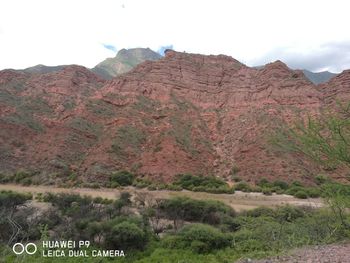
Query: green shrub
{"x": 218, "y": 190}
{"x": 26, "y": 181}
{"x": 234, "y": 170}
{"x": 203, "y": 238}
{"x": 313, "y": 192}
{"x": 5, "y": 178}
{"x": 243, "y": 186}
{"x": 297, "y": 183}
{"x": 294, "y": 189}
{"x": 199, "y": 247}
{"x": 128, "y": 137}
{"x": 152, "y": 188}
{"x": 173, "y": 242}
{"x": 301, "y": 194}
{"x": 206, "y": 211}
{"x": 141, "y": 183}
{"x": 221, "y": 190}
{"x": 263, "y": 182}
{"x": 281, "y": 184}
{"x": 188, "y": 181}
{"x": 321, "y": 179}
{"x": 23, "y": 177}
{"x": 11, "y": 199}
{"x": 261, "y": 211}
{"x": 289, "y": 213}
{"x": 256, "y": 189}
{"x": 123, "y": 178}
{"x": 173, "y": 187}
{"x": 114, "y": 185}
{"x": 126, "y": 236}
{"x": 161, "y": 186}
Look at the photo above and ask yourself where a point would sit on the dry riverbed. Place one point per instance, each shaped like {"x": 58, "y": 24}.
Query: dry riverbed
{"x": 239, "y": 200}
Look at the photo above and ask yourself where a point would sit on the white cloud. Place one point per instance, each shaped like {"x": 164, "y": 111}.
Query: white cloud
{"x": 65, "y": 31}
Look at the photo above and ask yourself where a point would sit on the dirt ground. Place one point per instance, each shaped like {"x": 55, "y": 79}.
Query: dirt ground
{"x": 335, "y": 253}
{"x": 239, "y": 200}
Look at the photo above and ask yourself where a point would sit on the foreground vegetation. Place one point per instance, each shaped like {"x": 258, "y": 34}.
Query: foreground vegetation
{"x": 173, "y": 230}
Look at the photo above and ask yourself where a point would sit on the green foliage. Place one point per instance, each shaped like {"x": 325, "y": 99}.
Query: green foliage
{"x": 69, "y": 204}
{"x": 338, "y": 198}
{"x": 261, "y": 211}
{"x": 243, "y": 186}
{"x": 325, "y": 140}
{"x": 313, "y": 192}
{"x": 321, "y": 179}
{"x": 289, "y": 213}
{"x": 141, "y": 183}
{"x": 281, "y": 184}
{"x": 199, "y": 238}
{"x": 256, "y": 233}
{"x": 181, "y": 131}
{"x": 206, "y": 211}
{"x": 35, "y": 105}
{"x": 13, "y": 209}
{"x": 209, "y": 184}
{"x": 69, "y": 104}
{"x": 100, "y": 108}
{"x": 297, "y": 184}
{"x": 122, "y": 178}
{"x": 128, "y": 137}
{"x": 25, "y": 119}
{"x": 22, "y": 177}
{"x": 145, "y": 104}
{"x": 263, "y": 182}
{"x": 9, "y": 199}
{"x": 301, "y": 194}
{"x": 173, "y": 187}
{"x": 203, "y": 238}
{"x": 152, "y": 188}
{"x": 126, "y": 236}
{"x": 86, "y": 126}
{"x": 234, "y": 170}
{"x": 26, "y": 110}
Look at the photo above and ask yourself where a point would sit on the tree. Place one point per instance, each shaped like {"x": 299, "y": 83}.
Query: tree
{"x": 123, "y": 178}
{"x": 338, "y": 198}
{"x": 325, "y": 139}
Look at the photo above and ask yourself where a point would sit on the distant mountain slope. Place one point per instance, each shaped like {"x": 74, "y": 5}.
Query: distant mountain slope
{"x": 42, "y": 69}
{"x": 124, "y": 61}
{"x": 319, "y": 77}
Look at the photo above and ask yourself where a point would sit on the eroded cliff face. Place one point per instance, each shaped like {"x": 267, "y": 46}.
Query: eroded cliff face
{"x": 184, "y": 113}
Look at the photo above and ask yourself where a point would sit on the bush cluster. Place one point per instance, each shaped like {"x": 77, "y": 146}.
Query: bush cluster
{"x": 202, "y": 230}
{"x": 209, "y": 184}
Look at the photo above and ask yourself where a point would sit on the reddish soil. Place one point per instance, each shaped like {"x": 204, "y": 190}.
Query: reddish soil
{"x": 185, "y": 113}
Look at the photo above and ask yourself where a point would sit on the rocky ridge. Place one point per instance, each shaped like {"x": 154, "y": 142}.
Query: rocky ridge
{"x": 181, "y": 113}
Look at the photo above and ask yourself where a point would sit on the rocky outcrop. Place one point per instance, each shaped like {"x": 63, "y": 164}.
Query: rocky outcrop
{"x": 182, "y": 113}
{"x": 124, "y": 61}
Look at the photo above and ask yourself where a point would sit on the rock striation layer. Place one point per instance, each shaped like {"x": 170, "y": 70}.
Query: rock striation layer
{"x": 184, "y": 113}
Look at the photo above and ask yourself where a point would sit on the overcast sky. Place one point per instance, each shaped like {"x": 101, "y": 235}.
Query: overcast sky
{"x": 304, "y": 34}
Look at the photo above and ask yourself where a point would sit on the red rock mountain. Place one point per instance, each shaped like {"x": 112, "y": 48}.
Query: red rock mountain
{"x": 184, "y": 113}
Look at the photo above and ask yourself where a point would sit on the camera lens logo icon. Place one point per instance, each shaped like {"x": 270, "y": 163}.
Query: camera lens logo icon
{"x": 29, "y": 248}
